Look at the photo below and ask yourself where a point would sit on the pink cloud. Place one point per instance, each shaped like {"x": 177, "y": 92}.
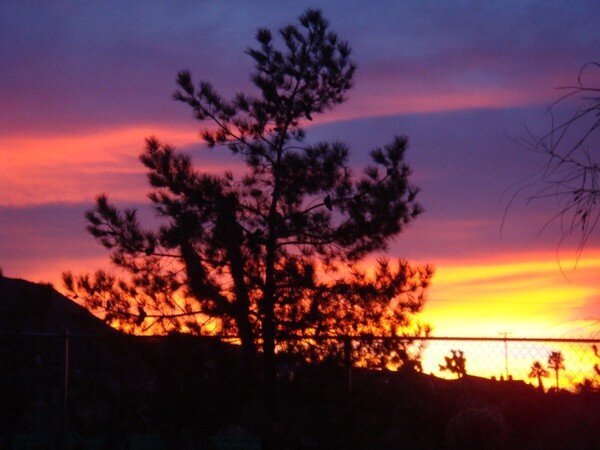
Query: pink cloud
{"x": 76, "y": 167}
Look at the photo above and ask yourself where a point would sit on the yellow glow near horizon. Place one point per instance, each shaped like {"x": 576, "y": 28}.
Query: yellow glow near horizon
{"x": 469, "y": 272}
{"x": 530, "y": 298}
{"x": 524, "y": 295}
{"x": 525, "y": 298}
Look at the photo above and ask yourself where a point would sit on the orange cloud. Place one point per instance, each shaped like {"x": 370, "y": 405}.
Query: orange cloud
{"x": 74, "y": 168}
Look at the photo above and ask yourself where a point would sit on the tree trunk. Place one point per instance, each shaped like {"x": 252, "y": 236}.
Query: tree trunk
{"x": 269, "y": 358}
{"x": 269, "y": 295}
{"x": 248, "y": 345}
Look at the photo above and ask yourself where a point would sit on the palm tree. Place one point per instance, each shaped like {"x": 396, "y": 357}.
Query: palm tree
{"x": 556, "y": 363}
{"x": 538, "y": 371}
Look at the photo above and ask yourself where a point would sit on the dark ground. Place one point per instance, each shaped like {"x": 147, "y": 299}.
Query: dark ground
{"x": 185, "y": 392}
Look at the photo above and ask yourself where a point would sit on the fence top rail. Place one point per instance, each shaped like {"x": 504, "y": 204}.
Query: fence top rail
{"x": 360, "y": 337}
{"x": 367, "y": 337}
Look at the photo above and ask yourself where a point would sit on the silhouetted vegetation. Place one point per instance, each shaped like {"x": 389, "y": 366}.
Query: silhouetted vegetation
{"x": 477, "y": 426}
{"x": 556, "y": 363}
{"x": 456, "y": 363}
{"x": 276, "y": 249}
{"x": 183, "y": 391}
{"x": 572, "y": 170}
{"x": 538, "y": 371}
{"x": 585, "y": 387}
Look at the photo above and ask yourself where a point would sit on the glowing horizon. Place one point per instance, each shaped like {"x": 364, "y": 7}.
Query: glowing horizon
{"x": 527, "y": 299}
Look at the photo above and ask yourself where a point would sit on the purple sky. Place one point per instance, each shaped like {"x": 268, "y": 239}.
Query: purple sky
{"x": 82, "y": 85}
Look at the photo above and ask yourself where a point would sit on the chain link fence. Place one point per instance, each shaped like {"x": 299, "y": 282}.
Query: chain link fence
{"x": 570, "y": 361}
{"x": 53, "y": 382}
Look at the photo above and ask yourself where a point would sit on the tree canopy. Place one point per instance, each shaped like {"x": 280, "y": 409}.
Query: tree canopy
{"x": 279, "y": 250}
{"x": 456, "y": 363}
{"x": 538, "y": 371}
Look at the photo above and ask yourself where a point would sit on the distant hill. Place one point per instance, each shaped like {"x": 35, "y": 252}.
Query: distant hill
{"x": 34, "y": 318}
{"x": 116, "y": 382}
{"x": 27, "y": 307}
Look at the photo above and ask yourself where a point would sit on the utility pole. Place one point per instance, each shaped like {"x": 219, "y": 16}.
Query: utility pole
{"x": 505, "y": 335}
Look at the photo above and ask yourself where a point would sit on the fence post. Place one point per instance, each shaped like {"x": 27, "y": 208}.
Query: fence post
{"x": 66, "y": 384}
{"x": 348, "y": 360}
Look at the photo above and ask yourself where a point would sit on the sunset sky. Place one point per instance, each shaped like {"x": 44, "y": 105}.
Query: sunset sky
{"x": 82, "y": 85}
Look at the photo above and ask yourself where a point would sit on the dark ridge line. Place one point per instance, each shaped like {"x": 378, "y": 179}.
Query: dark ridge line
{"x": 361, "y": 337}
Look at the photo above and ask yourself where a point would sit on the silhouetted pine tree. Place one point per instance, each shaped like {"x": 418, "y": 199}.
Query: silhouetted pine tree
{"x": 274, "y": 251}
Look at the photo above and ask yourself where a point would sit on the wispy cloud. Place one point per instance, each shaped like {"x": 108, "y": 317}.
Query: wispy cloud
{"x": 76, "y": 167}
